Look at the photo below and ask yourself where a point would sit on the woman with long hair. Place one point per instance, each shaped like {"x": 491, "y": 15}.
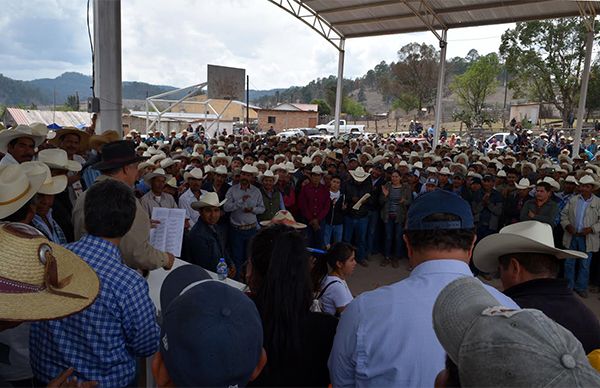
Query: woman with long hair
{"x": 297, "y": 341}
{"x": 334, "y": 294}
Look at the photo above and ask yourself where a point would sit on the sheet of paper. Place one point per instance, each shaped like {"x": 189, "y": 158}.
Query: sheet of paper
{"x": 168, "y": 235}
{"x": 360, "y": 202}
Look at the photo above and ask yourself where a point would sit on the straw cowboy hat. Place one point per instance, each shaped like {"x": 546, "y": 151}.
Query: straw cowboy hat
{"x": 195, "y": 173}
{"x": 221, "y": 170}
{"x": 58, "y": 283}
{"x": 168, "y": 162}
{"x": 588, "y": 180}
{"x": 359, "y": 175}
{"x": 284, "y": 217}
{"x": 84, "y": 137}
{"x": 172, "y": 183}
{"x": 97, "y": 141}
{"x": 58, "y": 159}
{"x": 208, "y": 199}
{"x": 53, "y": 184}
{"x": 523, "y": 184}
{"x": 157, "y": 157}
{"x": 220, "y": 156}
{"x": 317, "y": 170}
{"x": 268, "y": 174}
{"x": 250, "y": 169}
{"x": 522, "y": 237}
{"x": 37, "y": 135}
{"x": 289, "y": 166}
{"x": 17, "y": 187}
{"x": 159, "y": 172}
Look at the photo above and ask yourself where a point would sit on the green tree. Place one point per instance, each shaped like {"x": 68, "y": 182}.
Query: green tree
{"x": 324, "y": 108}
{"x": 545, "y": 59}
{"x": 416, "y": 72}
{"x": 362, "y": 97}
{"x": 592, "y": 103}
{"x": 407, "y": 102}
{"x": 474, "y": 86}
{"x": 353, "y": 108}
{"x": 72, "y": 102}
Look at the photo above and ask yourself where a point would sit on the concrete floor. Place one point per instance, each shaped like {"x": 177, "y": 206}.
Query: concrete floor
{"x": 374, "y": 276}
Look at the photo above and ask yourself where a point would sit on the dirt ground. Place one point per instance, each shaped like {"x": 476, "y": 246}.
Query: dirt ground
{"x": 367, "y": 279}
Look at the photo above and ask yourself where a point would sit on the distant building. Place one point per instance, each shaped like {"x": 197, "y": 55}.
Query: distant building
{"x": 15, "y": 116}
{"x": 288, "y": 115}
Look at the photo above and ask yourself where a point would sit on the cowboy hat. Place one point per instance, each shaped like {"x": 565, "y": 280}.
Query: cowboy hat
{"x": 53, "y": 184}
{"x": 17, "y": 187}
{"x": 317, "y": 170}
{"x": 284, "y": 217}
{"x": 97, "y": 141}
{"x": 168, "y": 162}
{"x": 221, "y": 170}
{"x": 208, "y": 199}
{"x": 172, "y": 183}
{"x": 522, "y": 237}
{"x": 268, "y": 174}
{"x": 118, "y": 154}
{"x": 552, "y": 182}
{"x": 208, "y": 169}
{"x": 144, "y": 165}
{"x": 157, "y": 157}
{"x": 250, "y": 169}
{"x": 58, "y": 159}
{"x": 194, "y": 173}
{"x": 220, "y": 156}
{"x": 571, "y": 179}
{"x": 359, "y": 174}
{"x": 84, "y": 137}
{"x": 8, "y": 135}
{"x": 58, "y": 282}
{"x": 523, "y": 184}
{"x": 159, "y": 172}
{"x": 588, "y": 180}
{"x": 289, "y": 166}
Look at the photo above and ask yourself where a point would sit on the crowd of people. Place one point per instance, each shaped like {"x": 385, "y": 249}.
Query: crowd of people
{"x": 291, "y": 218}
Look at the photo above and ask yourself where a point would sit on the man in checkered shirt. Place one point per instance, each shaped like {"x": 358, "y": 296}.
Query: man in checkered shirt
{"x": 103, "y": 341}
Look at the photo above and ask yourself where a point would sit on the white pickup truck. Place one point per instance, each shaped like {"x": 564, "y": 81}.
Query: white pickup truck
{"x": 344, "y": 128}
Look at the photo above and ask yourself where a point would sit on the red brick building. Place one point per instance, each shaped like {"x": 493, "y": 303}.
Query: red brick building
{"x": 289, "y": 115}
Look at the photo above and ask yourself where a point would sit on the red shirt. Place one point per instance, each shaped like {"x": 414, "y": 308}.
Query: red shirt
{"x": 313, "y": 202}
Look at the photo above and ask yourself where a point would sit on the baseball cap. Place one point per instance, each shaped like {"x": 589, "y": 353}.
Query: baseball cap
{"x": 436, "y": 202}
{"x": 211, "y": 333}
{"x": 431, "y": 181}
{"x": 496, "y": 346}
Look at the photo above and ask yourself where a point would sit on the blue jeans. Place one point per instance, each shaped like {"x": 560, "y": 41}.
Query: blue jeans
{"x": 239, "y": 240}
{"x": 332, "y": 233}
{"x": 393, "y": 233}
{"x": 357, "y": 228}
{"x": 373, "y": 235}
{"x": 314, "y": 238}
{"x": 579, "y": 283}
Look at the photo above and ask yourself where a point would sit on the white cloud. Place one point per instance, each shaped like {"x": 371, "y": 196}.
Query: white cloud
{"x": 171, "y": 42}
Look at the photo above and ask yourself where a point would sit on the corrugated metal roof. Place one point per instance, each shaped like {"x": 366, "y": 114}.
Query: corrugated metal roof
{"x": 357, "y": 18}
{"x": 64, "y": 119}
{"x": 175, "y": 116}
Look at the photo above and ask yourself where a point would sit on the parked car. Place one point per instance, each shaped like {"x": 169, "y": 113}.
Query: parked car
{"x": 344, "y": 128}
{"x": 499, "y": 139}
{"x": 292, "y": 132}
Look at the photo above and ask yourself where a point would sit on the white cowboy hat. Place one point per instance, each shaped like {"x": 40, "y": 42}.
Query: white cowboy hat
{"x": 53, "y": 184}
{"x": 317, "y": 170}
{"x": 276, "y": 167}
{"x": 168, "y": 162}
{"x": 284, "y": 217}
{"x": 359, "y": 175}
{"x": 157, "y": 158}
{"x": 220, "y": 156}
{"x": 172, "y": 183}
{"x": 418, "y": 165}
{"x": 522, "y": 237}
{"x": 269, "y": 174}
{"x": 8, "y": 135}
{"x": 289, "y": 166}
{"x": 549, "y": 180}
{"x": 523, "y": 184}
{"x": 250, "y": 169}
{"x": 445, "y": 171}
{"x": 571, "y": 179}
{"x": 159, "y": 172}
{"x": 195, "y": 173}
{"x": 143, "y": 165}
{"x": 588, "y": 180}
{"x": 209, "y": 169}
{"x": 501, "y": 174}
{"x": 57, "y": 158}
{"x": 208, "y": 199}
{"x": 221, "y": 170}
{"x": 17, "y": 187}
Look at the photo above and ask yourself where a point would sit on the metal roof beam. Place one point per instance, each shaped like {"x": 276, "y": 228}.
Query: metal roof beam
{"x": 357, "y": 6}
{"x": 308, "y": 16}
{"x": 429, "y": 17}
{"x": 477, "y": 7}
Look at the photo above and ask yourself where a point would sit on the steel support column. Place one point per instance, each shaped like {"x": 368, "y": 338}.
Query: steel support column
{"x": 107, "y": 64}
{"x": 340, "y": 85}
{"x": 440, "y": 89}
{"x": 583, "y": 91}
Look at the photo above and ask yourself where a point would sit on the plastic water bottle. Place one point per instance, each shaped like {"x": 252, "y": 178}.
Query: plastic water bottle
{"x": 222, "y": 269}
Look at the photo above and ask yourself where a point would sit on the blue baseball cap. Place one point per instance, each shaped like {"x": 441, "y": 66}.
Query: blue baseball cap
{"x": 211, "y": 333}
{"x": 439, "y": 202}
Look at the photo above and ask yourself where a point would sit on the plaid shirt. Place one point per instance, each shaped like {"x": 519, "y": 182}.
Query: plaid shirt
{"x": 101, "y": 342}
{"x": 53, "y": 233}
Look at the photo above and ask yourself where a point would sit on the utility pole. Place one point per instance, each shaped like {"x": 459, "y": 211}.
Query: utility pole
{"x": 248, "y": 101}
{"x": 505, "y": 95}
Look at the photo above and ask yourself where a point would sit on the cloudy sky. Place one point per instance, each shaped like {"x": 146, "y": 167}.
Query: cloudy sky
{"x": 170, "y": 42}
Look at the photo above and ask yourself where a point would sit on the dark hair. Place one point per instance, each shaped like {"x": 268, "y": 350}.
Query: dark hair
{"x": 453, "y": 377}
{"x": 284, "y": 297}
{"x": 534, "y": 263}
{"x": 109, "y": 209}
{"x": 441, "y": 239}
{"x": 339, "y": 252}
{"x": 21, "y": 214}
{"x": 547, "y": 186}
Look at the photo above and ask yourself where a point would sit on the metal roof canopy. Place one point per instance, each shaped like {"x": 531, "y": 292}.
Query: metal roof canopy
{"x": 338, "y": 20}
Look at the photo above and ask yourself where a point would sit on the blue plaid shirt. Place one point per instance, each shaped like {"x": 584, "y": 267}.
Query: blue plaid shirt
{"x": 101, "y": 342}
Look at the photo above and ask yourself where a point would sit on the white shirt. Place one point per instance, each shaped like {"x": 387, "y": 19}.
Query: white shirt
{"x": 336, "y": 295}
{"x": 8, "y": 159}
{"x": 185, "y": 202}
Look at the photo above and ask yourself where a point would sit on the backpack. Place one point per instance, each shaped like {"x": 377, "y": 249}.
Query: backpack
{"x": 317, "y": 306}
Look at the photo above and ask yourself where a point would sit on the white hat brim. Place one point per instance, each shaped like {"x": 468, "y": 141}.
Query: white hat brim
{"x": 201, "y": 204}
{"x": 57, "y": 186}
{"x": 35, "y": 182}
{"x": 9, "y": 135}
{"x": 487, "y": 252}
